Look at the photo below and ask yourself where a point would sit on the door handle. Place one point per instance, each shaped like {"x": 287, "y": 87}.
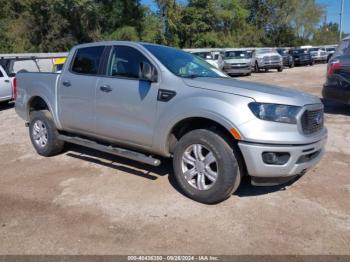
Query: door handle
{"x": 7, "y": 81}
{"x": 66, "y": 83}
{"x": 106, "y": 88}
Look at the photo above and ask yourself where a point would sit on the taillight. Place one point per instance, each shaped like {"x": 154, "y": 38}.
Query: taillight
{"x": 14, "y": 93}
{"x": 333, "y": 66}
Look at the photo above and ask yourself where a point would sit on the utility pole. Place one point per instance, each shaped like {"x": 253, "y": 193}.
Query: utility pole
{"x": 341, "y": 19}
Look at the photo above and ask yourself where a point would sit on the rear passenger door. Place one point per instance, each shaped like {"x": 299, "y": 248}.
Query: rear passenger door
{"x": 76, "y": 92}
{"x": 125, "y": 105}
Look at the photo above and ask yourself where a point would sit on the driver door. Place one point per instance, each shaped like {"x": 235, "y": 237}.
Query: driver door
{"x": 126, "y": 107}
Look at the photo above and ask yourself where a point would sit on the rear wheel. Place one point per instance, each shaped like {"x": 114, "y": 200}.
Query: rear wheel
{"x": 280, "y": 69}
{"x": 43, "y": 134}
{"x": 206, "y": 167}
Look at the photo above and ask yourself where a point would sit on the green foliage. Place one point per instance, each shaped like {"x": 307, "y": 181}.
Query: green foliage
{"x": 57, "y": 25}
{"x": 326, "y": 34}
{"x": 126, "y": 33}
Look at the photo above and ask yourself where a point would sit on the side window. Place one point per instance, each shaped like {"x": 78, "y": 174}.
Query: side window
{"x": 1, "y": 75}
{"x": 125, "y": 61}
{"x": 87, "y": 60}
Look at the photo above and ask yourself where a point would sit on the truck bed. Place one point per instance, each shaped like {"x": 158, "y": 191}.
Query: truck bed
{"x": 30, "y": 85}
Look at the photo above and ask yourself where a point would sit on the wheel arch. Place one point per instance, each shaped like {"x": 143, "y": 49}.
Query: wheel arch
{"x": 184, "y": 126}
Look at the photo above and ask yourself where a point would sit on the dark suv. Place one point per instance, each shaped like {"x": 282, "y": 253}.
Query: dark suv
{"x": 302, "y": 56}
{"x": 337, "y": 86}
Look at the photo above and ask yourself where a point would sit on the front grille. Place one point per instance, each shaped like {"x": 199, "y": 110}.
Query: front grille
{"x": 312, "y": 121}
{"x": 272, "y": 58}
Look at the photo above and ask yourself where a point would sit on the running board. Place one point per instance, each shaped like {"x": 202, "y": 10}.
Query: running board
{"x": 111, "y": 150}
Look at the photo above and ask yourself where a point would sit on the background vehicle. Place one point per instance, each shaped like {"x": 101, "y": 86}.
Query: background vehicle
{"x": 302, "y": 57}
{"x": 318, "y": 54}
{"x": 288, "y": 60}
{"x": 6, "y": 85}
{"x": 237, "y": 62}
{"x": 337, "y": 86}
{"x": 213, "y": 58}
{"x": 267, "y": 58}
{"x": 139, "y": 100}
{"x": 58, "y": 64}
{"x": 330, "y": 51}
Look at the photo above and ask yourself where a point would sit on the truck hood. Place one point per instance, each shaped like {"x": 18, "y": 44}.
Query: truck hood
{"x": 257, "y": 91}
{"x": 267, "y": 54}
{"x": 237, "y": 61}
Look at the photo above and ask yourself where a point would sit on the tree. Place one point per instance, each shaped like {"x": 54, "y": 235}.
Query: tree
{"x": 327, "y": 34}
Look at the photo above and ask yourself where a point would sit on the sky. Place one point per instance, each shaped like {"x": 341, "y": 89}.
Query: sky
{"x": 332, "y": 8}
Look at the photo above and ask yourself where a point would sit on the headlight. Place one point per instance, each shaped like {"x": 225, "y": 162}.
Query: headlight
{"x": 275, "y": 112}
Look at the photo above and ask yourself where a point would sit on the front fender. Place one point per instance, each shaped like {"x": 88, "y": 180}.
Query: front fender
{"x": 230, "y": 111}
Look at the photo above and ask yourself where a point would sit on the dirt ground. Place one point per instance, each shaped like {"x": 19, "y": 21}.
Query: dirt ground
{"x": 85, "y": 202}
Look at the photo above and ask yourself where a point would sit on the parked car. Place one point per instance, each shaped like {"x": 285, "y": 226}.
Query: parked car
{"x": 213, "y": 58}
{"x": 6, "y": 85}
{"x": 318, "y": 54}
{"x": 267, "y": 58}
{"x": 330, "y": 51}
{"x": 140, "y": 101}
{"x": 302, "y": 56}
{"x": 288, "y": 60}
{"x": 237, "y": 62}
{"x": 337, "y": 86}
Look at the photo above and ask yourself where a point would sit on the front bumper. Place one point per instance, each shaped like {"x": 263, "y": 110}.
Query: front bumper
{"x": 237, "y": 71}
{"x": 270, "y": 65}
{"x": 319, "y": 58}
{"x": 310, "y": 155}
{"x": 303, "y": 62}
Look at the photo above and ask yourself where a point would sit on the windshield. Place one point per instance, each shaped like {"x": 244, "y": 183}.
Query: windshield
{"x": 204, "y": 55}
{"x": 299, "y": 51}
{"x": 181, "y": 63}
{"x": 282, "y": 51}
{"x": 265, "y": 51}
{"x": 330, "y": 49}
{"x": 237, "y": 55}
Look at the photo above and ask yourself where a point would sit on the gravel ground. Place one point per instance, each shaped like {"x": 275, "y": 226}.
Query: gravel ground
{"x": 86, "y": 202}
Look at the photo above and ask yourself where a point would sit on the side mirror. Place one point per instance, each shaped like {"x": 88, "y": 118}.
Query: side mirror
{"x": 148, "y": 72}
{"x": 12, "y": 74}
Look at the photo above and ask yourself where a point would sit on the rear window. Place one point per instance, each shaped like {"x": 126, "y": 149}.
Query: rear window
{"x": 344, "y": 48}
{"x": 87, "y": 60}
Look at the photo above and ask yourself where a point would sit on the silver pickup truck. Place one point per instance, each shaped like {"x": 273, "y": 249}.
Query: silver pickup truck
{"x": 142, "y": 101}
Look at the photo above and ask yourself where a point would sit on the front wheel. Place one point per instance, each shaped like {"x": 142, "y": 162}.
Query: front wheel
{"x": 206, "y": 166}
{"x": 43, "y": 134}
{"x": 280, "y": 69}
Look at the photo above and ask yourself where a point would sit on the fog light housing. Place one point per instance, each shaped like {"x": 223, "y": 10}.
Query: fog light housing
{"x": 275, "y": 158}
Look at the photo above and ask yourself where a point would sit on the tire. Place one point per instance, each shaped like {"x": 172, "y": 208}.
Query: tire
{"x": 312, "y": 63}
{"x": 43, "y": 134}
{"x": 266, "y": 70}
{"x": 228, "y": 169}
{"x": 280, "y": 69}
{"x": 292, "y": 65}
